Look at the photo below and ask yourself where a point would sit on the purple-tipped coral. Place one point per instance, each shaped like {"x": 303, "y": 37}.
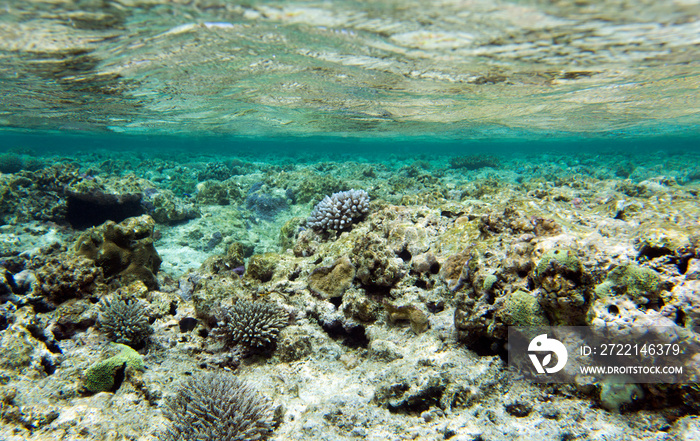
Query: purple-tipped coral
{"x": 339, "y": 210}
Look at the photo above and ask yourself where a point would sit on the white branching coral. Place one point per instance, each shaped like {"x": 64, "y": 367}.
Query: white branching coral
{"x": 339, "y": 210}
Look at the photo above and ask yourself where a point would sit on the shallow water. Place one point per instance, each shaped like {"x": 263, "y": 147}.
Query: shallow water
{"x": 503, "y": 130}
{"x": 457, "y": 69}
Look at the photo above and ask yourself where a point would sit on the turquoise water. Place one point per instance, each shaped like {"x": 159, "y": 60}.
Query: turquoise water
{"x": 359, "y": 148}
{"x": 498, "y": 129}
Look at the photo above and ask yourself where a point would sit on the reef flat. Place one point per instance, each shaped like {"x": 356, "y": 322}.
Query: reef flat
{"x": 129, "y": 281}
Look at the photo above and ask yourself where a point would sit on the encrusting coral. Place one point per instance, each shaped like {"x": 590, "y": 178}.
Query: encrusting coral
{"x": 218, "y": 406}
{"x": 107, "y": 375}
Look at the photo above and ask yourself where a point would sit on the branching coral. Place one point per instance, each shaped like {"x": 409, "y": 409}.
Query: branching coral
{"x": 251, "y": 325}
{"x": 339, "y": 210}
{"x": 218, "y": 407}
{"x": 125, "y": 321}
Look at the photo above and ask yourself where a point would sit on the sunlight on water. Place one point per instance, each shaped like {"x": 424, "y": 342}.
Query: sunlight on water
{"x": 450, "y": 68}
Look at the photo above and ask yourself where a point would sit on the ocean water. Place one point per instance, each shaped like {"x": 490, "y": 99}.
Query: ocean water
{"x": 244, "y": 115}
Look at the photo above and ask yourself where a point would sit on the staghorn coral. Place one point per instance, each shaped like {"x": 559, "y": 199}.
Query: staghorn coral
{"x": 124, "y": 320}
{"x": 218, "y": 406}
{"x": 339, "y": 210}
{"x": 251, "y": 325}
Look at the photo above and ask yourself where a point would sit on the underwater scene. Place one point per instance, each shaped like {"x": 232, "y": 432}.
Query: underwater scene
{"x": 326, "y": 220}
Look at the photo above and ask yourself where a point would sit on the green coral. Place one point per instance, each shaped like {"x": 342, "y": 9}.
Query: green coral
{"x": 638, "y": 283}
{"x": 522, "y": 309}
{"x": 558, "y": 258}
{"x": 103, "y": 375}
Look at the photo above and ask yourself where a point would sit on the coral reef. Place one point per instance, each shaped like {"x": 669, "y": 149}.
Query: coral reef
{"x": 261, "y": 266}
{"x": 332, "y": 281}
{"x": 107, "y": 375}
{"x": 63, "y": 276}
{"x": 167, "y": 208}
{"x": 629, "y": 296}
{"x": 473, "y": 162}
{"x": 218, "y": 406}
{"x": 124, "y": 251}
{"x": 394, "y": 326}
{"x": 565, "y": 291}
{"x": 125, "y": 320}
{"x": 416, "y": 317}
{"x": 251, "y": 325}
{"x": 89, "y": 202}
{"x": 266, "y": 203}
{"x": 376, "y": 264}
{"x": 339, "y": 210}
{"x": 212, "y": 193}
{"x": 214, "y": 170}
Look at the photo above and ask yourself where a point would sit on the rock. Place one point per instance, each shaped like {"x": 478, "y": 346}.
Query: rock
{"x": 124, "y": 251}
{"x": 261, "y": 267}
{"x": 615, "y": 393}
{"x": 64, "y": 276}
{"x": 332, "y": 281}
{"x": 686, "y": 429}
{"x": 416, "y": 317}
{"x": 294, "y": 344}
{"x": 166, "y": 208}
{"x": 383, "y": 350}
{"x": 212, "y": 193}
{"x": 376, "y": 264}
{"x": 565, "y": 292}
{"x": 424, "y": 263}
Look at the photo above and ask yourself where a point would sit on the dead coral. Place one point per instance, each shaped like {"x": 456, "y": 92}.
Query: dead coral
{"x": 565, "y": 288}
{"x": 332, "y": 281}
{"x": 376, "y": 265}
{"x": 416, "y": 317}
{"x": 63, "y": 276}
{"x": 124, "y": 251}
